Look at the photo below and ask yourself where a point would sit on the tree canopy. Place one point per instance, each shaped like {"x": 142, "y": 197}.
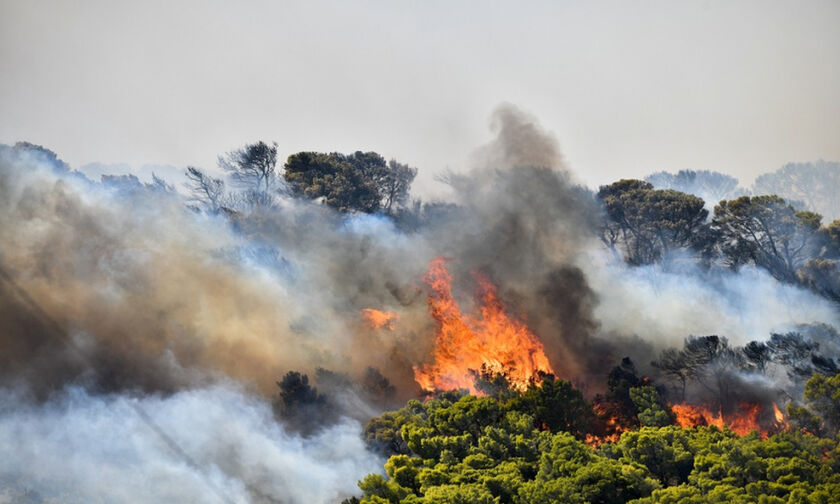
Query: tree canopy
{"x": 252, "y": 167}
{"x": 647, "y": 223}
{"x": 813, "y": 185}
{"x": 711, "y": 186}
{"x": 361, "y": 181}
{"x": 483, "y": 449}
{"x": 768, "y": 232}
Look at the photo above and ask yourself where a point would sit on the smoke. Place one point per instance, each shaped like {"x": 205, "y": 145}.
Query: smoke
{"x": 664, "y": 303}
{"x": 146, "y": 294}
{"x": 133, "y": 290}
{"x": 120, "y": 292}
{"x": 84, "y": 448}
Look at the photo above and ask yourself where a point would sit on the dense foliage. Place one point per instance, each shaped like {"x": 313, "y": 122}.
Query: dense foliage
{"x": 649, "y": 223}
{"x": 361, "y": 181}
{"x": 644, "y": 225}
{"x": 531, "y": 448}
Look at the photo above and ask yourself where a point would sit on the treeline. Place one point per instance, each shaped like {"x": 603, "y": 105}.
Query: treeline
{"x": 645, "y": 225}
{"x": 361, "y": 181}
{"x": 665, "y": 217}
{"x": 644, "y": 222}
{"x": 531, "y": 448}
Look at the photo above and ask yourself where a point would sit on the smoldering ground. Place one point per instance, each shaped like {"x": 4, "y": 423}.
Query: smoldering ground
{"x": 124, "y": 291}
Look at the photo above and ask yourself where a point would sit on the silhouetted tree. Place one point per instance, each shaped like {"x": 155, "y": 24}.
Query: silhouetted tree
{"x": 711, "y": 186}
{"x": 253, "y": 166}
{"x": 205, "y": 191}
{"x": 648, "y": 223}
{"x": 766, "y": 231}
{"x": 300, "y": 405}
{"x": 816, "y": 185}
{"x": 395, "y": 185}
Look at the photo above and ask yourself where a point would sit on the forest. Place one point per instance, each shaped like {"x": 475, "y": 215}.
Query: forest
{"x": 526, "y": 339}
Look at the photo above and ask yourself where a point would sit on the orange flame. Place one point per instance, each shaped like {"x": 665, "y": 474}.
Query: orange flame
{"x": 613, "y": 428}
{"x": 741, "y": 422}
{"x": 781, "y": 421}
{"x": 465, "y": 345}
{"x": 377, "y": 319}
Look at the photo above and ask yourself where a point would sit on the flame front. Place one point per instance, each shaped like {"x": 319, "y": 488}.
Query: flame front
{"x": 741, "y": 422}
{"x": 466, "y": 345}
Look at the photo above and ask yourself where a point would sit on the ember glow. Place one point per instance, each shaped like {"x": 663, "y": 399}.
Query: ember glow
{"x": 377, "y": 319}
{"x": 465, "y": 345}
{"x": 743, "y": 421}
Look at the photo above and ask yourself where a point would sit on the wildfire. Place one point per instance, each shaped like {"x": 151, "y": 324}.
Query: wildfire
{"x": 741, "y": 422}
{"x": 780, "y": 417}
{"x": 613, "y": 428}
{"x": 465, "y": 345}
{"x": 377, "y": 319}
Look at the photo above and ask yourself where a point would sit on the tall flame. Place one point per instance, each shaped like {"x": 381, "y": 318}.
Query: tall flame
{"x": 465, "y": 345}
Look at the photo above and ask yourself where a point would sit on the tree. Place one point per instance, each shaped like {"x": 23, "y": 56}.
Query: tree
{"x": 831, "y": 240}
{"x": 650, "y": 408}
{"x": 666, "y": 452}
{"x": 674, "y": 364}
{"x": 816, "y": 185}
{"x": 252, "y": 167}
{"x": 822, "y": 276}
{"x": 205, "y": 190}
{"x": 766, "y": 231}
{"x": 822, "y": 273}
{"x": 488, "y": 450}
{"x": 650, "y": 223}
{"x": 361, "y": 181}
{"x": 822, "y": 397}
{"x": 708, "y": 361}
{"x": 711, "y": 186}
{"x": 25, "y": 152}
{"x": 616, "y": 407}
{"x": 300, "y": 405}
{"x": 557, "y": 406}
{"x": 396, "y": 184}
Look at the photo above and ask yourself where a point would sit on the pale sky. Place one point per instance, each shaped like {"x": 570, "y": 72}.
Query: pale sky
{"x": 628, "y": 88}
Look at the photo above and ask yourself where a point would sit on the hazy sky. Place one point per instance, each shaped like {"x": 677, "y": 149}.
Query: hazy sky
{"x": 627, "y": 87}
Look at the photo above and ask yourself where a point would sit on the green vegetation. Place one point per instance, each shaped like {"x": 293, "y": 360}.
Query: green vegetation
{"x": 530, "y": 448}
{"x": 644, "y": 225}
{"x": 361, "y": 181}
{"x": 647, "y": 223}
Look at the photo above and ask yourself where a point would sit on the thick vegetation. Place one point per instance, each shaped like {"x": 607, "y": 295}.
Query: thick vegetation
{"x": 532, "y": 448}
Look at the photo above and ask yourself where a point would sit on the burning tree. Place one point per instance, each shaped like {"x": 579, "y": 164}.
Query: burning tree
{"x": 465, "y": 345}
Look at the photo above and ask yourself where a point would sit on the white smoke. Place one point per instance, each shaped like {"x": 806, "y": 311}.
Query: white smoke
{"x": 663, "y": 304}
{"x": 84, "y": 448}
